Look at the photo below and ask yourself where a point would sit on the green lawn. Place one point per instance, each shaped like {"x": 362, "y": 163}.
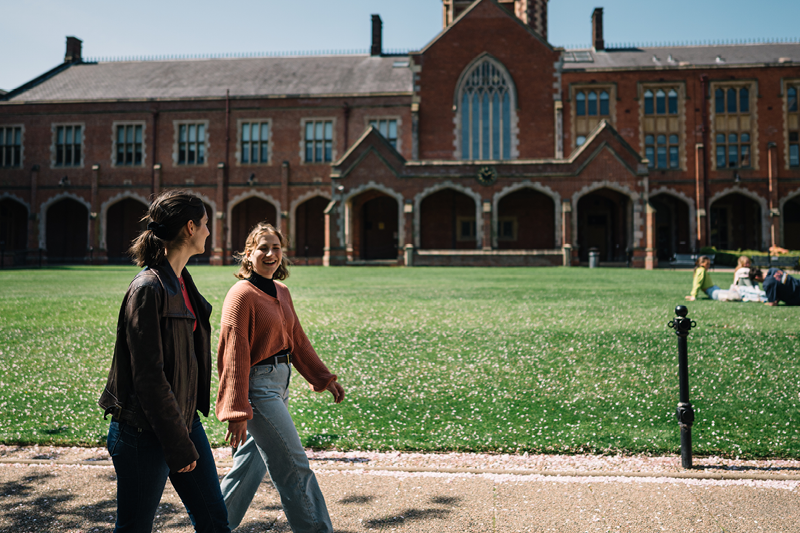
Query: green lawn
{"x": 503, "y": 359}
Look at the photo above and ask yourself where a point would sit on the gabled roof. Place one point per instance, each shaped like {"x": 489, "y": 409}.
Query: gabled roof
{"x": 210, "y": 78}
{"x": 469, "y": 9}
{"x": 603, "y": 137}
{"x": 682, "y": 56}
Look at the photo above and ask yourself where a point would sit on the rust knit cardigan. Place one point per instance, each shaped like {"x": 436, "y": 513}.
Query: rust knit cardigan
{"x": 256, "y": 326}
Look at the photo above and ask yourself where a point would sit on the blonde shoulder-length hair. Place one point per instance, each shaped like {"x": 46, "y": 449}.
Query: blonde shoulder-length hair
{"x": 250, "y": 244}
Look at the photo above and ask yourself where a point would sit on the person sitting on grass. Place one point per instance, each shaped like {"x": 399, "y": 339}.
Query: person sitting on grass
{"x": 780, "y": 286}
{"x": 702, "y": 282}
{"x": 745, "y": 281}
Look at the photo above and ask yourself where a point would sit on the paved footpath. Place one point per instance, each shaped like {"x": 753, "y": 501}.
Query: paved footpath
{"x": 73, "y": 489}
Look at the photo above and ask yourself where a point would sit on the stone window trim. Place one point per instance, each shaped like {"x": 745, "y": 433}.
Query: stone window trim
{"x": 471, "y": 223}
{"x": 513, "y": 223}
{"x": 397, "y": 118}
{"x": 114, "y": 126}
{"x": 680, "y": 87}
{"x": 176, "y": 124}
{"x": 573, "y": 90}
{"x": 270, "y": 142}
{"x": 21, "y": 165}
{"x": 752, "y": 87}
{"x": 53, "y": 129}
{"x": 513, "y": 104}
{"x": 785, "y": 84}
{"x": 334, "y": 151}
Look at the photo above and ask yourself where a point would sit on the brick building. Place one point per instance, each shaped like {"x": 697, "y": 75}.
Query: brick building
{"x": 487, "y": 147}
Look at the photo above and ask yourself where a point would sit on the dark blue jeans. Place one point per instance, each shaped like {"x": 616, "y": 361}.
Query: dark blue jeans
{"x": 142, "y": 474}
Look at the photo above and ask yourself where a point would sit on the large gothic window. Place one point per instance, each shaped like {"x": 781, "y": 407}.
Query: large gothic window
{"x": 486, "y": 108}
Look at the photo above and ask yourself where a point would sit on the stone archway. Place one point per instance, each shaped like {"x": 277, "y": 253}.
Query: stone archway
{"x": 525, "y": 220}
{"x": 375, "y": 226}
{"x": 123, "y": 223}
{"x": 448, "y": 221}
{"x": 309, "y": 228}
{"x": 673, "y": 232}
{"x": 66, "y": 231}
{"x": 604, "y": 224}
{"x": 736, "y": 222}
{"x": 245, "y": 215}
{"x": 13, "y": 230}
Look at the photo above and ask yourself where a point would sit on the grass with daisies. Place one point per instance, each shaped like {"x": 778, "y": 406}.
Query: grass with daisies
{"x": 509, "y": 360}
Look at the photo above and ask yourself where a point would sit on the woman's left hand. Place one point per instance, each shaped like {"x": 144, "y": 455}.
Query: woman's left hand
{"x": 337, "y": 391}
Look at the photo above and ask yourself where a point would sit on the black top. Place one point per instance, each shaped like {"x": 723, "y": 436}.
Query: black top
{"x": 267, "y": 286}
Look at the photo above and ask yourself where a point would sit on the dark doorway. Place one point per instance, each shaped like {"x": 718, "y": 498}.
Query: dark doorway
{"x": 245, "y": 216}
{"x": 735, "y": 223}
{"x": 526, "y": 221}
{"x": 447, "y": 221}
{"x": 13, "y": 231}
{"x": 379, "y": 223}
{"x": 309, "y": 227}
{"x": 123, "y": 224}
{"x": 67, "y": 229}
{"x": 672, "y": 226}
{"x": 791, "y": 224}
{"x": 603, "y": 224}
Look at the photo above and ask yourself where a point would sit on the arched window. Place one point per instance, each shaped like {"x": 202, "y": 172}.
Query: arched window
{"x": 486, "y": 107}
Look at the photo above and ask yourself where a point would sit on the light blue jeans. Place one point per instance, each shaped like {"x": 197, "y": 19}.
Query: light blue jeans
{"x": 273, "y": 445}
{"x": 715, "y": 292}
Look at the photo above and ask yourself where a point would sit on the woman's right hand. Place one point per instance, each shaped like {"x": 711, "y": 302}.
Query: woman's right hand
{"x": 188, "y": 468}
{"x": 690, "y": 298}
{"x": 237, "y": 433}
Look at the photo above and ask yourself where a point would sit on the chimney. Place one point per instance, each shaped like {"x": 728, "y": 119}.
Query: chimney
{"x": 597, "y": 29}
{"x": 534, "y": 14}
{"x": 377, "y": 36}
{"x": 73, "y": 54}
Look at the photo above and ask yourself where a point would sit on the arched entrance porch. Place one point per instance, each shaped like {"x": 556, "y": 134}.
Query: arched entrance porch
{"x": 447, "y": 221}
{"x": 13, "y": 231}
{"x": 735, "y": 223}
{"x": 672, "y": 232}
{"x": 67, "y": 227}
{"x": 526, "y": 221}
{"x": 123, "y": 225}
{"x": 309, "y": 228}
{"x": 604, "y": 224}
{"x": 245, "y": 215}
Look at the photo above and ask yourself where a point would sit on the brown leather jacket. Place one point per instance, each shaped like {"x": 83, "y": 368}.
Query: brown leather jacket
{"x": 161, "y": 371}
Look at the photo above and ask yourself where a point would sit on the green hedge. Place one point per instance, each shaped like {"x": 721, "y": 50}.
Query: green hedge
{"x": 730, "y": 257}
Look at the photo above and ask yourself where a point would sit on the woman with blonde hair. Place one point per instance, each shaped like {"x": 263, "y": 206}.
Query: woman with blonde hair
{"x": 160, "y": 376}
{"x": 702, "y": 282}
{"x": 745, "y": 281}
{"x": 260, "y": 341}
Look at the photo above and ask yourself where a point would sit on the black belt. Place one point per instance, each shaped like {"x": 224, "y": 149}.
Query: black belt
{"x": 276, "y": 360}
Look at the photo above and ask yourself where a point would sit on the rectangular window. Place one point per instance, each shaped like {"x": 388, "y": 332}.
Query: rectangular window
{"x": 507, "y": 228}
{"x": 592, "y": 104}
{"x": 387, "y": 128}
{"x": 319, "y": 141}
{"x": 662, "y": 150}
{"x": 192, "y": 144}
{"x": 465, "y": 228}
{"x": 10, "y": 146}
{"x": 732, "y": 124}
{"x": 661, "y": 125}
{"x": 129, "y": 145}
{"x": 255, "y": 142}
{"x": 793, "y": 124}
{"x": 68, "y": 146}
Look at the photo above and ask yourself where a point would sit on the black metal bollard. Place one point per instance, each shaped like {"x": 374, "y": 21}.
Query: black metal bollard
{"x": 685, "y": 414}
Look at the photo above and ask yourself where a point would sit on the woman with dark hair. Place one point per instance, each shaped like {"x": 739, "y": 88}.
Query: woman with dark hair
{"x": 261, "y": 339}
{"x": 161, "y": 375}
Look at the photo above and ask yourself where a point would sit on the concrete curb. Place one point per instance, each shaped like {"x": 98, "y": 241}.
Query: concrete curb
{"x": 547, "y": 473}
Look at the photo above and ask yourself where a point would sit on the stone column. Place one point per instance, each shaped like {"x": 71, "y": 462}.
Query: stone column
{"x": 334, "y": 252}
{"x": 774, "y": 202}
{"x": 566, "y": 231}
{"x": 486, "y": 211}
{"x": 407, "y": 248}
{"x": 156, "y": 179}
{"x": 33, "y": 219}
{"x": 220, "y": 250}
{"x": 700, "y": 198}
{"x": 96, "y": 254}
{"x": 284, "y": 214}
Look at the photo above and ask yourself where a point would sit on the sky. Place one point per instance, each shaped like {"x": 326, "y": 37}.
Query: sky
{"x": 33, "y": 32}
